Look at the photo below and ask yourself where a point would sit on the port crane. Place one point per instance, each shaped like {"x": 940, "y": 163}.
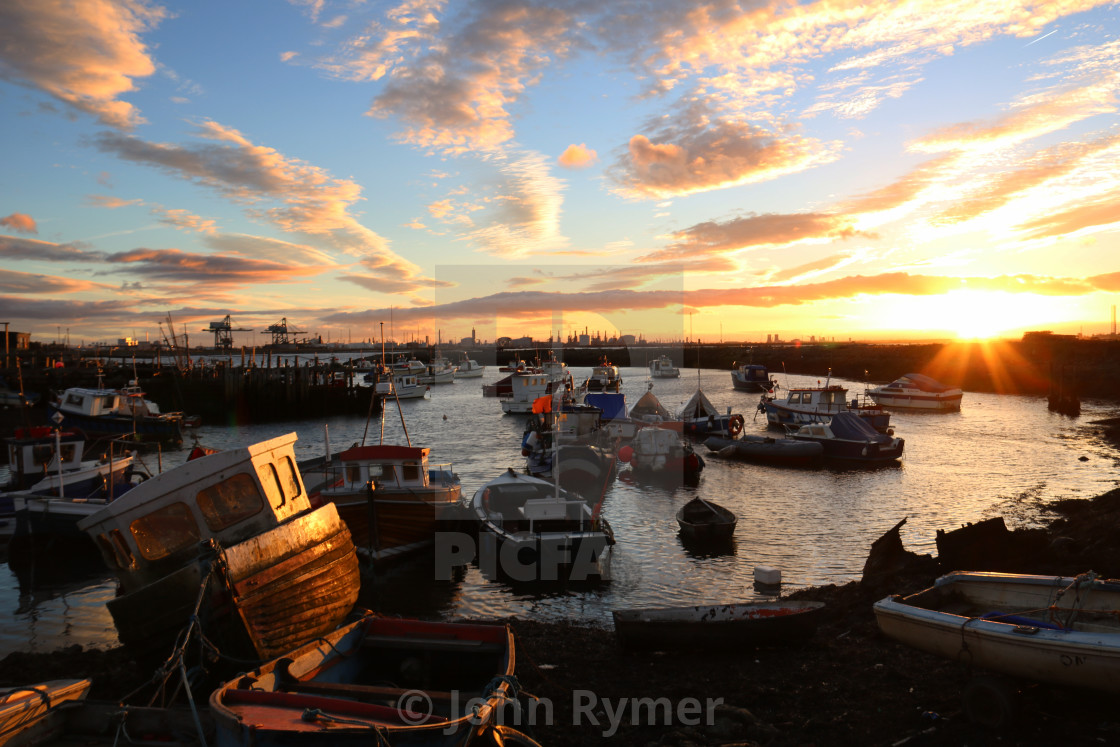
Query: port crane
{"x": 280, "y": 332}
{"x": 223, "y": 333}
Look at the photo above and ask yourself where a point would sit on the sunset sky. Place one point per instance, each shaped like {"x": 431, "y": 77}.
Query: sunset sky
{"x": 924, "y": 169}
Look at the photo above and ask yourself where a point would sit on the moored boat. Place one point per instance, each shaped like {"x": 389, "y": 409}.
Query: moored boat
{"x": 916, "y": 391}
{"x": 702, "y": 521}
{"x": 108, "y": 412}
{"x": 802, "y": 405}
{"x": 527, "y": 386}
{"x": 848, "y": 438}
{"x": 1054, "y": 629}
{"x": 390, "y": 497}
{"x": 533, "y": 530}
{"x": 566, "y": 440}
{"x": 395, "y": 681}
{"x": 660, "y": 452}
{"x": 663, "y": 367}
{"x": 469, "y": 368}
{"x": 724, "y": 627}
{"x": 752, "y": 377}
{"x": 787, "y": 452}
{"x": 699, "y": 417}
{"x": 604, "y": 378}
{"x": 231, "y": 543}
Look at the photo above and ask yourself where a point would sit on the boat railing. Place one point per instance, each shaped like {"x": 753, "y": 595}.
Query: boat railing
{"x": 443, "y": 474}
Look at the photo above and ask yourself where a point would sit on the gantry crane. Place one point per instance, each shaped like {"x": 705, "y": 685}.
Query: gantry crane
{"x": 280, "y": 332}
{"x": 223, "y": 333}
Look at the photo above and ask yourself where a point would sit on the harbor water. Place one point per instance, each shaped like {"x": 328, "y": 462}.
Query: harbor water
{"x": 1001, "y": 455}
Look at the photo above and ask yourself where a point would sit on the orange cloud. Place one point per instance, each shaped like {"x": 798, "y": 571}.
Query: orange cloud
{"x": 21, "y": 222}
{"x": 29, "y": 283}
{"x": 577, "y": 157}
{"x": 713, "y": 238}
{"x": 85, "y": 54}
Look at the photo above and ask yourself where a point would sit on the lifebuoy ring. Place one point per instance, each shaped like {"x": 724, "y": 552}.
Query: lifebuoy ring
{"x": 735, "y": 425}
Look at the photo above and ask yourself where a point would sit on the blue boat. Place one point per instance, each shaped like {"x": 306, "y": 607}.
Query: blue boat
{"x": 110, "y": 412}
{"x": 847, "y": 437}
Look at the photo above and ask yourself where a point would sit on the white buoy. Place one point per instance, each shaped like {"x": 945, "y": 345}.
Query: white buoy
{"x": 764, "y": 575}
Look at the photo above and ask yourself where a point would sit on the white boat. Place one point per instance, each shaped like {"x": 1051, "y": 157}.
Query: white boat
{"x": 568, "y": 439}
{"x": 405, "y": 386}
{"x": 228, "y": 542}
{"x": 102, "y": 411}
{"x": 469, "y": 368}
{"x": 533, "y": 530}
{"x": 439, "y": 371}
{"x": 805, "y": 405}
{"x": 528, "y": 386}
{"x": 1054, "y": 629}
{"x": 752, "y": 377}
{"x": 604, "y": 378}
{"x": 916, "y": 391}
{"x": 663, "y": 368}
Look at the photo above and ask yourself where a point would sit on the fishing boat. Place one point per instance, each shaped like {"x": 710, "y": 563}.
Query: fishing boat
{"x": 380, "y": 680}
{"x": 390, "y": 497}
{"x": 533, "y": 530}
{"x": 566, "y": 440}
{"x": 51, "y": 488}
{"x": 702, "y": 521}
{"x": 33, "y": 714}
{"x": 661, "y": 452}
{"x": 1055, "y": 629}
{"x": 847, "y": 437}
{"x": 528, "y": 386}
{"x": 404, "y": 386}
{"x": 752, "y": 377}
{"x": 604, "y": 378}
{"x": 439, "y": 371}
{"x": 469, "y": 368}
{"x": 228, "y": 542}
{"x": 785, "y": 452}
{"x": 916, "y": 391}
{"x": 662, "y": 367}
{"x": 614, "y": 419}
{"x": 803, "y": 405}
{"x": 721, "y": 627}
{"x": 108, "y": 412}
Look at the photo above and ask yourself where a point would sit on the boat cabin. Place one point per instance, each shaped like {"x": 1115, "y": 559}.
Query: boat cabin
{"x": 831, "y": 398}
{"x": 230, "y": 496}
{"x": 387, "y": 467}
{"x": 34, "y": 454}
{"x": 90, "y": 402}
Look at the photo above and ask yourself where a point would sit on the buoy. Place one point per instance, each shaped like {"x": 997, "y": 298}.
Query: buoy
{"x": 625, "y": 453}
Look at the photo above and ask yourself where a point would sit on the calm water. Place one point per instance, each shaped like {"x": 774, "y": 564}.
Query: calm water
{"x": 1001, "y": 455}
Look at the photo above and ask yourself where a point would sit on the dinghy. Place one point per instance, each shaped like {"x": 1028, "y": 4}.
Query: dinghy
{"x": 718, "y": 626}
{"x": 702, "y": 521}
{"x": 1055, "y": 629}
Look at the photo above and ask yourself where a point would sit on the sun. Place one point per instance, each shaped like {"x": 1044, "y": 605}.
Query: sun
{"x": 983, "y": 315}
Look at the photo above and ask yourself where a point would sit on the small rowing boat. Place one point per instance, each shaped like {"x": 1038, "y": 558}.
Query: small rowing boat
{"x": 718, "y": 626}
{"x": 702, "y": 521}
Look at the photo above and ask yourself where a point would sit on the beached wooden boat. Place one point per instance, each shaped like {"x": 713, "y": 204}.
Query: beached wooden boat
{"x": 718, "y": 626}
{"x": 31, "y": 714}
{"x": 230, "y": 542}
{"x": 380, "y": 680}
{"x": 1054, "y": 629}
{"x": 704, "y": 521}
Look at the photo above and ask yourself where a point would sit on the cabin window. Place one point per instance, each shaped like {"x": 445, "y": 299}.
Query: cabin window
{"x": 410, "y": 472}
{"x": 230, "y": 501}
{"x": 795, "y": 398}
{"x": 289, "y": 477}
{"x": 42, "y": 454}
{"x": 270, "y": 481}
{"x": 165, "y": 531}
{"x": 115, "y": 550}
{"x": 353, "y": 474}
{"x": 67, "y": 453}
{"x": 74, "y": 399}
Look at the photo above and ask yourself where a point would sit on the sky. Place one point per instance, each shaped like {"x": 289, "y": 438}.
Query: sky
{"x": 720, "y": 171}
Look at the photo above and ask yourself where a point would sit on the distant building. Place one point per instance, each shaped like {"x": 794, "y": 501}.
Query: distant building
{"x": 17, "y": 340}
{"x": 627, "y": 340}
{"x": 127, "y": 342}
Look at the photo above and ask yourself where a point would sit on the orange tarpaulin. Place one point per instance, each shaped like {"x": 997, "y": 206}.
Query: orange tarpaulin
{"x": 542, "y": 404}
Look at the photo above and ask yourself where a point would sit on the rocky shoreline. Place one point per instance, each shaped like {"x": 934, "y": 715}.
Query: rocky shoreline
{"x": 847, "y": 685}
